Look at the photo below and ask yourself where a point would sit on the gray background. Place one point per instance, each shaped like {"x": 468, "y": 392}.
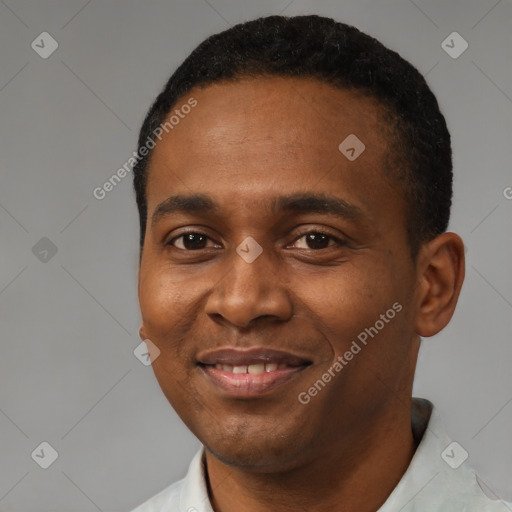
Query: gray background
{"x": 69, "y": 324}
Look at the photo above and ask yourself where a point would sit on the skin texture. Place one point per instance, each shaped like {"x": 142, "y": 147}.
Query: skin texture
{"x": 245, "y": 143}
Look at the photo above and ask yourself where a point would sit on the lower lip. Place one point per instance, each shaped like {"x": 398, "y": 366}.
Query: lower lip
{"x": 248, "y": 385}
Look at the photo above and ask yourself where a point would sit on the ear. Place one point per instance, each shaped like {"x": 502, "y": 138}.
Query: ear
{"x": 142, "y": 332}
{"x": 142, "y": 328}
{"x": 441, "y": 269}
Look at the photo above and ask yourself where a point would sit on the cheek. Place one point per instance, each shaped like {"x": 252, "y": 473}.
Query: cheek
{"x": 170, "y": 305}
{"x": 162, "y": 298}
{"x": 163, "y": 319}
{"x": 162, "y": 304}
{"x": 349, "y": 302}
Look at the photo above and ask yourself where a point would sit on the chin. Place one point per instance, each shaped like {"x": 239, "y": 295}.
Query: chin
{"x": 254, "y": 457}
{"x": 258, "y": 448}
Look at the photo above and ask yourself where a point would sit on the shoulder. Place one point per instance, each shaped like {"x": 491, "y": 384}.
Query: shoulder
{"x": 186, "y": 495}
{"x": 465, "y": 492}
{"x": 439, "y": 477}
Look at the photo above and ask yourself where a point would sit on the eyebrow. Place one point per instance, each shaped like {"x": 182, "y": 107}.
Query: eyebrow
{"x": 317, "y": 203}
{"x": 194, "y": 203}
{"x": 298, "y": 203}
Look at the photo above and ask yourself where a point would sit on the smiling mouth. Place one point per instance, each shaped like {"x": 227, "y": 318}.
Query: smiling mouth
{"x": 250, "y": 374}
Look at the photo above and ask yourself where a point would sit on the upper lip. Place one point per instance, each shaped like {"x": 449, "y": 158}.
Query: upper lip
{"x": 238, "y": 357}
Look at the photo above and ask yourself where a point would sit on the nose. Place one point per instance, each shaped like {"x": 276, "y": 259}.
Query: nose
{"x": 248, "y": 291}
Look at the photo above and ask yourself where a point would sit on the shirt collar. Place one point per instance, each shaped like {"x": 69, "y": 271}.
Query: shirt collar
{"x": 194, "y": 494}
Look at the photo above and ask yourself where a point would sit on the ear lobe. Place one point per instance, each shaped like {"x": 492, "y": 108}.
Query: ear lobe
{"x": 142, "y": 333}
{"x": 441, "y": 266}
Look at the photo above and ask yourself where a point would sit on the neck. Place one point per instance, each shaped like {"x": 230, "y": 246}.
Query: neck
{"x": 352, "y": 474}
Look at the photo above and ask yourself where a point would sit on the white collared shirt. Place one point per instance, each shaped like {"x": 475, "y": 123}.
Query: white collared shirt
{"x": 438, "y": 478}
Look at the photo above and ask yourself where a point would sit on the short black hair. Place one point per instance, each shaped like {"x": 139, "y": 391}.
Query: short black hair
{"x": 312, "y": 46}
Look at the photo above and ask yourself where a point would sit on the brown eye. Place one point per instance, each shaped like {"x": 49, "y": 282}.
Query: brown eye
{"x": 317, "y": 240}
{"x": 190, "y": 241}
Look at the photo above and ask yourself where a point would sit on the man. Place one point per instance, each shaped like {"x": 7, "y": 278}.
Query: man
{"x": 294, "y": 194}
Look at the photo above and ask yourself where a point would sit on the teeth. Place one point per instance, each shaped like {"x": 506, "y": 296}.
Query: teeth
{"x": 253, "y": 369}
{"x": 256, "y": 369}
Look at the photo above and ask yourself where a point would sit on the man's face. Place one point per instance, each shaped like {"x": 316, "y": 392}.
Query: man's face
{"x": 257, "y": 148}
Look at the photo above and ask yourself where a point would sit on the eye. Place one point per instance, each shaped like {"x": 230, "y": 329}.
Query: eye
{"x": 317, "y": 240}
{"x": 190, "y": 241}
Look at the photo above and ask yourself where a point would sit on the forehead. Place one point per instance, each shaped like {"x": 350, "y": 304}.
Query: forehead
{"x": 250, "y": 136}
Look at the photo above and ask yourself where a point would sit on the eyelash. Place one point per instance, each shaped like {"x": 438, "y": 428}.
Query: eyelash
{"x": 339, "y": 242}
